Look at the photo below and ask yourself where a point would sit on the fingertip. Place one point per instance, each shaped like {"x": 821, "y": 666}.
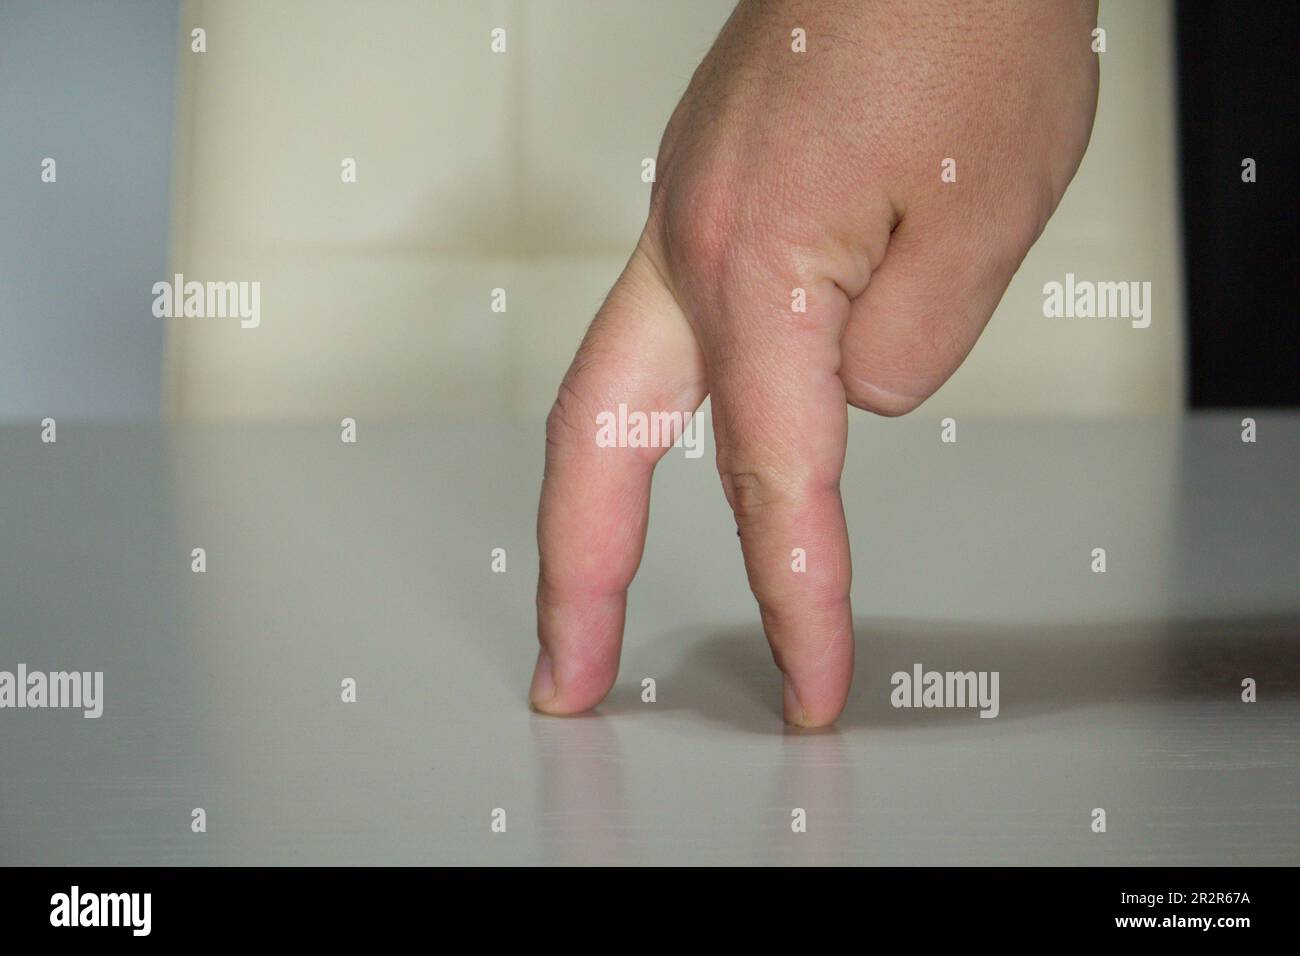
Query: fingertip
{"x": 823, "y": 712}
{"x": 566, "y": 697}
{"x": 542, "y": 690}
{"x": 817, "y": 677}
{"x": 578, "y": 660}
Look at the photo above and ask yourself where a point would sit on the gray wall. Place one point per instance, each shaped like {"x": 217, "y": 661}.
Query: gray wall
{"x": 90, "y": 85}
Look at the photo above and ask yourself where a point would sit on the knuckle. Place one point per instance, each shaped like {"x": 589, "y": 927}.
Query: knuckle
{"x": 747, "y": 493}
{"x": 568, "y": 416}
{"x": 737, "y": 248}
{"x": 722, "y": 232}
{"x": 579, "y": 396}
{"x": 699, "y": 227}
{"x": 754, "y": 488}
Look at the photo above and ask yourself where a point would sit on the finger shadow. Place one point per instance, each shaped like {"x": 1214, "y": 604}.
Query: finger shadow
{"x": 728, "y": 677}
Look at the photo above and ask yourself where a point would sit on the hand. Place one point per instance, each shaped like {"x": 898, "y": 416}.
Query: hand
{"x": 817, "y": 171}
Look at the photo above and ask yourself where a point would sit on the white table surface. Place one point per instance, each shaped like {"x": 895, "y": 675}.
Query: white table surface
{"x": 372, "y": 561}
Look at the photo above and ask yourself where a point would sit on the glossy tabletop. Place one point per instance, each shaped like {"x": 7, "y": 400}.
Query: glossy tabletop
{"x": 373, "y": 562}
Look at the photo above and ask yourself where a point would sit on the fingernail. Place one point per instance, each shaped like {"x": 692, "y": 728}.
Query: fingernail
{"x": 543, "y": 687}
{"x": 794, "y": 712}
{"x": 886, "y": 400}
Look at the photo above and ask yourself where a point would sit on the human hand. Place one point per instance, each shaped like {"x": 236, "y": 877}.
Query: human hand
{"x": 817, "y": 171}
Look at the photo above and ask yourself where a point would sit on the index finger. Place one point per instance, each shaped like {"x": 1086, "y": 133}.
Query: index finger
{"x": 591, "y": 526}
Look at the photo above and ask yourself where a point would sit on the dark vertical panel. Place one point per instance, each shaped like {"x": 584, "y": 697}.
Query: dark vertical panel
{"x": 1238, "y": 99}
